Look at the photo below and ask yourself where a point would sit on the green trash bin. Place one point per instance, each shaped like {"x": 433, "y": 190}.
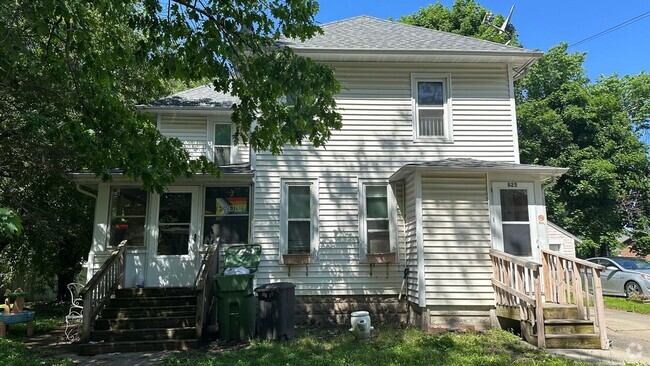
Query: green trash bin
{"x": 236, "y": 303}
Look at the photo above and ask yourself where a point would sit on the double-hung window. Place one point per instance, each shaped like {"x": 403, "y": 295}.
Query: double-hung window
{"x": 377, "y": 219}
{"x": 128, "y": 216}
{"x": 431, "y": 107}
{"x": 299, "y": 217}
{"x": 223, "y": 144}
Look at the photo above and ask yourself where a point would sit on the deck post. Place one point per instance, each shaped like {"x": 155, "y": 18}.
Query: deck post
{"x": 599, "y": 304}
{"x": 539, "y": 311}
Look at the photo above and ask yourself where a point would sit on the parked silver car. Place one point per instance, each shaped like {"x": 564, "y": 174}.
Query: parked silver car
{"x": 624, "y": 276}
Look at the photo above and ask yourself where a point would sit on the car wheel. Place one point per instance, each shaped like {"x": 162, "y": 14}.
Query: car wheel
{"x": 632, "y": 288}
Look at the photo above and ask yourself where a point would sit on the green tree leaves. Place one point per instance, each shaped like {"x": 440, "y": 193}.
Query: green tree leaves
{"x": 564, "y": 120}
{"x": 464, "y": 18}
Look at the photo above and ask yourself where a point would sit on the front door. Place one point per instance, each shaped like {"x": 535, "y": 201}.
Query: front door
{"x": 173, "y": 249}
{"x": 514, "y": 226}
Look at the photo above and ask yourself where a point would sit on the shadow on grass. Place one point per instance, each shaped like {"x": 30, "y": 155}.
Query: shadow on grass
{"x": 388, "y": 346}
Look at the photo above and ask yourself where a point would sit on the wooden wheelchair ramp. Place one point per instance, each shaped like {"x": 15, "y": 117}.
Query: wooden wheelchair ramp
{"x": 557, "y": 303}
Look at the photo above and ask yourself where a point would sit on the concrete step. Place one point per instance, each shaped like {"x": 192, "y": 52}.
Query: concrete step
{"x": 582, "y": 341}
{"x": 150, "y": 334}
{"x": 90, "y": 349}
{"x": 150, "y": 312}
{"x": 145, "y": 323}
{"x": 153, "y": 301}
{"x": 569, "y": 326}
{"x": 556, "y": 311}
{"x": 155, "y": 292}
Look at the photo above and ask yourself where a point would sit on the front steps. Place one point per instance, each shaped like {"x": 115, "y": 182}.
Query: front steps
{"x": 563, "y": 329}
{"x": 137, "y": 320}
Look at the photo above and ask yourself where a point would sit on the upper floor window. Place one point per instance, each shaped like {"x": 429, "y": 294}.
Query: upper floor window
{"x": 223, "y": 144}
{"x": 128, "y": 216}
{"x": 431, "y": 107}
{"x": 299, "y": 217}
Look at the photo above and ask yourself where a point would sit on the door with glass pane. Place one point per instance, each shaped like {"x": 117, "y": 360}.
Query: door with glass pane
{"x": 173, "y": 246}
{"x": 515, "y": 232}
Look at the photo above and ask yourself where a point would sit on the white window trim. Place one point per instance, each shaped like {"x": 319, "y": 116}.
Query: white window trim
{"x": 284, "y": 211}
{"x": 109, "y": 218}
{"x": 495, "y": 212}
{"x": 446, "y": 89}
{"x": 392, "y": 216}
{"x": 234, "y": 151}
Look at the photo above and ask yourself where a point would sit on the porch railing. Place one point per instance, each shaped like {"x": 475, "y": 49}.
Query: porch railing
{"x": 99, "y": 289}
{"x": 204, "y": 288}
{"x": 517, "y": 283}
{"x": 573, "y": 281}
{"x": 559, "y": 279}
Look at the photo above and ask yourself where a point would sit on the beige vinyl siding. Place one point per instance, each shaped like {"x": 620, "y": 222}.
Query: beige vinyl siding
{"x": 191, "y": 130}
{"x": 456, "y": 239}
{"x": 336, "y": 270}
{"x": 557, "y": 237}
{"x": 375, "y": 141}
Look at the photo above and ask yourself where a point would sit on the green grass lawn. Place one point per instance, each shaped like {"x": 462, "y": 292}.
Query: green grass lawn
{"x": 621, "y": 303}
{"x": 12, "y": 350}
{"x": 389, "y": 346}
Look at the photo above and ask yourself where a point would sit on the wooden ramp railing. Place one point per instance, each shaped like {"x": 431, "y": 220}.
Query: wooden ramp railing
{"x": 204, "y": 288}
{"x": 99, "y": 289}
{"x": 517, "y": 283}
{"x": 558, "y": 280}
{"x": 573, "y": 281}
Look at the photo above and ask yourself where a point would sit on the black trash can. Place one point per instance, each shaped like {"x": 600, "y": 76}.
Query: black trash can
{"x": 277, "y": 302}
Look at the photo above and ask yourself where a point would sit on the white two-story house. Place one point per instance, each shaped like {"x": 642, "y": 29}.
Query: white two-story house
{"x": 423, "y": 175}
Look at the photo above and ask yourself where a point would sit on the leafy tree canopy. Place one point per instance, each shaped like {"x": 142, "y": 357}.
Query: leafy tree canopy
{"x": 465, "y": 18}
{"x": 72, "y": 73}
{"x": 591, "y": 128}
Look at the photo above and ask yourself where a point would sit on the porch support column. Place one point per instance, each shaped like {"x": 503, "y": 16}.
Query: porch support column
{"x": 419, "y": 238}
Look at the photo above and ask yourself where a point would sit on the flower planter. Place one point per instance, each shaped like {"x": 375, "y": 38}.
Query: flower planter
{"x": 381, "y": 258}
{"x": 296, "y": 258}
{"x": 291, "y": 259}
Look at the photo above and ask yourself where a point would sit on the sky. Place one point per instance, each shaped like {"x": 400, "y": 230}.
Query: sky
{"x": 543, "y": 24}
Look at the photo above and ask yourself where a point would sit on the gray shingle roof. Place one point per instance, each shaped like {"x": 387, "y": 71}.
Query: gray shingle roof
{"x": 201, "y": 96}
{"x": 469, "y": 164}
{"x": 369, "y": 33}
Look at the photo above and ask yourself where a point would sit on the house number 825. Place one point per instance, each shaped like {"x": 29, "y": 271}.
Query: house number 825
{"x": 512, "y": 184}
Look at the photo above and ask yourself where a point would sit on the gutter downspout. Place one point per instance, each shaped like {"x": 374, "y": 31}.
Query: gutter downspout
{"x": 85, "y": 192}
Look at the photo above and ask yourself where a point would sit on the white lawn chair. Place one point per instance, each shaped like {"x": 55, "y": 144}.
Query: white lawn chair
{"x": 74, "y": 318}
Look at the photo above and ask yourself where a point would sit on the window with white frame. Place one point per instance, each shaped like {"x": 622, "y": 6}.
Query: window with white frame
{"x": 128, "y": 210}
{"x": 223, "y": 144}
{"x": 377, "y": 218}
{"x": 431, "y": 107}
{"x": 299, "y": 217}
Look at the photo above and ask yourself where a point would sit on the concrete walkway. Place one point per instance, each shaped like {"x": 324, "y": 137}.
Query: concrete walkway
{"x": 630, "y": 337}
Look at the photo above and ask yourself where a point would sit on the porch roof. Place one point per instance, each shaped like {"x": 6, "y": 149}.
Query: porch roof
{"x": 474, "y": 165}
{"x": 230, "y": 173}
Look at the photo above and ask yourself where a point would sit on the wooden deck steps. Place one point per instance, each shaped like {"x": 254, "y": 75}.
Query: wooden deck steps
{"x": 564, "y": 329}
{"x": 138, "y": 320}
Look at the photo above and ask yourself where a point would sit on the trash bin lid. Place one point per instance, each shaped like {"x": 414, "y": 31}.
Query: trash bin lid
{"x": 247, "y": 255}
{"x": 276, "y": 286}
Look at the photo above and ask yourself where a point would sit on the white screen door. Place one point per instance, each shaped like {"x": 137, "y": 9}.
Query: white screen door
{"x": 173, "y": 252}
{"x": 514, "y": 219}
